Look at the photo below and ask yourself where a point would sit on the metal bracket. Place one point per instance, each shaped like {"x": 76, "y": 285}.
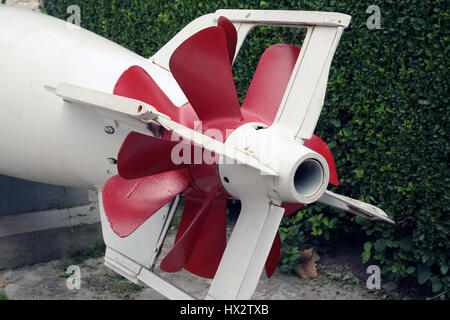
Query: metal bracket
{"x": 138, "y": 274}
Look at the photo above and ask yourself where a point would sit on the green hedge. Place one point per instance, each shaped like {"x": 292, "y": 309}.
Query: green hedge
{"x": 386, "y": 117}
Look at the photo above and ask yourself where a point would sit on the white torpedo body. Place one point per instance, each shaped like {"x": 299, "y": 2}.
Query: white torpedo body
{"x": 41, "y": 139}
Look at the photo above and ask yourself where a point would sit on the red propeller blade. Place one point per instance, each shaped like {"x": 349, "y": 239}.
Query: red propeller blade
{"x": 270, "y": 81}
{"x": 177, "y": 258}
{"x": 129, "y": 203}
{"x": 202, "y": 68}
{"x": 231, "y": 35}
{"x": 142, "y": 155}
{"x": 136, "y": 83}
{"x": 211, "y": 242}
{"x": 319, "y": 146}
{"x": 274, "y": 256}
{"x": 192, "y": 206}
{"x": 290, "y": 208}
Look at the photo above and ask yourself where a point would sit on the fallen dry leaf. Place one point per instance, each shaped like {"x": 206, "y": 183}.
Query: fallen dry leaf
{"x": 3, "y": 283}
{"x": 308, "y": 268}
{"x": 306, "y": 256}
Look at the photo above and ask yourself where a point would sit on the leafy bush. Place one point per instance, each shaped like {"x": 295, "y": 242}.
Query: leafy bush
{"x": 386, "y": 115}
{"x": 3, "y": 295}
{"x": 299, "y": 230}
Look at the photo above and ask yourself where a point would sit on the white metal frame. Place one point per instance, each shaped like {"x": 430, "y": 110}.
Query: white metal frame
{"x": 245, "y": 20}
{"x": 125, "y": 255}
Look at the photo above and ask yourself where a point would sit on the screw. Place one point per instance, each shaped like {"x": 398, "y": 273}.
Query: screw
{"x": 109, "y": 130}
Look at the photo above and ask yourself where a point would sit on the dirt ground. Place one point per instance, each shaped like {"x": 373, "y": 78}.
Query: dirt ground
{"x": 340, "y": 276}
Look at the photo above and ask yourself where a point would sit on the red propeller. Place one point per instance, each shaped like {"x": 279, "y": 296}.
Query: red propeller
{"x": 201, "y": 65}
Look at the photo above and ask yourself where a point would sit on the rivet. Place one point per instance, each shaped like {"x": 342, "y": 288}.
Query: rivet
{"x": 109, "y": 130}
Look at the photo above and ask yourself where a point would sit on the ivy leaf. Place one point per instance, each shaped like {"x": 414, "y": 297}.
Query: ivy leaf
{"x": 424, "y": 102}
{"x": 367, "y": 252}
{"x": 406, "y": 244}
{"x": 423, "y": 273}
{"x": 380, "y": 245}
{"x": 410, "y": 269}
{"x": 359, "y": 173}
{"x": 444, "y": 269}
{"x": 335, "y": 122}
{"x": 436, "y": 286}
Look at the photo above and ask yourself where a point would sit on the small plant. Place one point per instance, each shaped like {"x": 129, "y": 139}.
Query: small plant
{"x": 64, "y": 274}
{"x": 77, "y": 257}
{"x": 300, "y": 229}
{"x": 293, "y": 238}
{"x": 3, "y": 295}
{"x": 118, "y": 284}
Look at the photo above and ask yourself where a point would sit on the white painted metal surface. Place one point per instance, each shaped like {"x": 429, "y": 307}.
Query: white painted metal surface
{"x": 135, "y": 115}
{"x": 305, "y": 94}
{"x": 46, "y": 139}
{"x": 245, "y": 20}
{"x": 288, "y": 18}
{"x": 129, "y": 113}
{"x": 286, "y": 156}
{"x": 142, "y": 245}
{"x": 42, "y": 140}
{"x": 139, "y": 274}
{"x": 353, "y": 206}
{"x": 247, "y": 250}
{"x": 170, "y": 291}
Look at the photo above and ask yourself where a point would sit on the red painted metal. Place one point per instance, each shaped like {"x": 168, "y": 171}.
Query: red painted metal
{"x": 127, "y": 202}
{"x": 179, "y": 255}
{"x": 142, "y": 155}
{"x": 211, "y": 242}
{"x": 319, "y": 146}
{"x": 270, "y": 81}
{"x": 290, "y": 208}
{"x": 231, "y": 35}
{"x": 202, "y": 69}
{"x": 274, "y": 256}
{"x": 187, "y": 116}
{"x": 192, "y": 206}
{"x": 136, "y": 83}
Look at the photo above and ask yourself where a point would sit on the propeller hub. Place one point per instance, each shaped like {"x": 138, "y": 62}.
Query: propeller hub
{"x": 303, "y": 174}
